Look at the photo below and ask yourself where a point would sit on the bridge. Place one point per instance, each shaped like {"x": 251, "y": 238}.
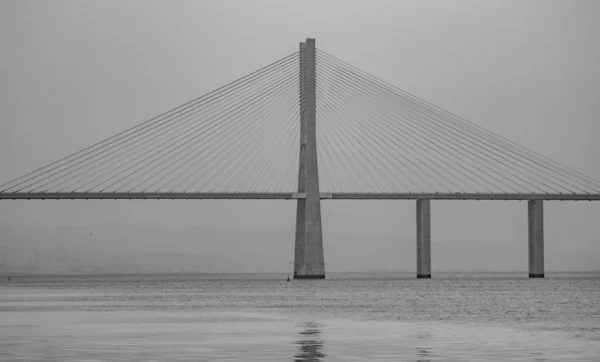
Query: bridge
{"x": 310, "y": 127}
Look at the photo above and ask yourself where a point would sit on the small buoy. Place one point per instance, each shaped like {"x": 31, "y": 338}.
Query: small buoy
{"x": 9, "y": 279}
{"x": 288, "y": 279}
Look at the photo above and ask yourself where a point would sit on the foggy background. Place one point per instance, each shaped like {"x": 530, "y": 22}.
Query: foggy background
{"x": 73, "y": 73}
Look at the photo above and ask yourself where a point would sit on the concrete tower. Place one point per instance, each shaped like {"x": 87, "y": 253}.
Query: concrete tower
{"x": 308, "y": 255}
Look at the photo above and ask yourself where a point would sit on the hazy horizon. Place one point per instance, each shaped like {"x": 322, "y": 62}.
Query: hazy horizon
{"x": 116, "y": 248}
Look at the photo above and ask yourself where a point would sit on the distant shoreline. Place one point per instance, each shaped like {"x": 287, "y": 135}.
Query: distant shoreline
{"x": 374, "y": 273}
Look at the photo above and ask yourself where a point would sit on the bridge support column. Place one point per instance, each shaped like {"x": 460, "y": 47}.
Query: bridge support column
{"x": 536, "y": 238}
{"x": 308, "y": 252}
{"x": 423, "y": 239}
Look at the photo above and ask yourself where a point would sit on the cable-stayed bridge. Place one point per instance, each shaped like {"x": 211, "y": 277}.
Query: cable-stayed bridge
{"x": 310, "y": 127}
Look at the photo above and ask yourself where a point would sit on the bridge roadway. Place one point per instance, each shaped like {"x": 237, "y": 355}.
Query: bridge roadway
{"x": 289, "y": 196}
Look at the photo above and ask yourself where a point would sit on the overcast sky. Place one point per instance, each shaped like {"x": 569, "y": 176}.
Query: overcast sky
{"x": 75, "y": 72}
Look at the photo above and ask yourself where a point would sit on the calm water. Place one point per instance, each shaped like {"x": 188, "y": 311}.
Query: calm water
{"x": 348, "y": 317}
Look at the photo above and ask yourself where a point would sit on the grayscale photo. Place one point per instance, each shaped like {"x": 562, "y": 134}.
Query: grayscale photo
{"x": 287, "y": 180}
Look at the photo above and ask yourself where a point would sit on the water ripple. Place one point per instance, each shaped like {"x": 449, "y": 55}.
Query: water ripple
{"x": 263, "y": 318}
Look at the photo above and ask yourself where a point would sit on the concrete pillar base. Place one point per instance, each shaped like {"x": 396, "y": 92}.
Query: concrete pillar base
{"x": 423, "y": 239}
{"x": 536, "y": 238}
{"x": 309, "y": 276}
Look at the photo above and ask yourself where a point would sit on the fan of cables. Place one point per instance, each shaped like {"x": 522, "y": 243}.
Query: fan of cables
{"x": 242, "y": 137}
{"x": 373, "y": 137}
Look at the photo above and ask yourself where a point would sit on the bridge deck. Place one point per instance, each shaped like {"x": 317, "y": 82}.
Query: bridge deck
{"x": 290, "y": 196}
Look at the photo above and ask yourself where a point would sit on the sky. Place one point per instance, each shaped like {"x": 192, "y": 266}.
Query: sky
{"x": 73, "y": 73}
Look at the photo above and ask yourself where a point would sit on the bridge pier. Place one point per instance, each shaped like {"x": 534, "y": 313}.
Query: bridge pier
{"x": 423, "y": 239}
{"x": 536, "y": 238}
{"x": 308, "y": 251}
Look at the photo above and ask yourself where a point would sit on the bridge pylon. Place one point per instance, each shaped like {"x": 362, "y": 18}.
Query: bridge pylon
{"x": 308, "y": 252}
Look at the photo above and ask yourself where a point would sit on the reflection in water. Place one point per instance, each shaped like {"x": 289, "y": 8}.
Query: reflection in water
{"x": 424, "y": 354}
{"x": 310, "y": 345}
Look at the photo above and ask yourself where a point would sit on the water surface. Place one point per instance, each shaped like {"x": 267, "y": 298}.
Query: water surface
{"x": 347, "y": 317}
